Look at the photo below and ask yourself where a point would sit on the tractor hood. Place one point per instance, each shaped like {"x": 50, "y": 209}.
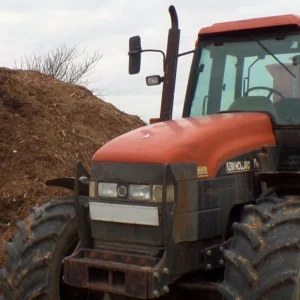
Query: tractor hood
{"x": 206, "y": 140}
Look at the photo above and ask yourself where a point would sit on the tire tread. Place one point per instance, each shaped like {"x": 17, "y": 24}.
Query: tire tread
{"x": 260, "y": 240}
{"x": 22, "y": 264}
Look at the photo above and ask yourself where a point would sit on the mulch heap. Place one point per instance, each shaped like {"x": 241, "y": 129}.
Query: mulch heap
{"x": 46, "y": 126}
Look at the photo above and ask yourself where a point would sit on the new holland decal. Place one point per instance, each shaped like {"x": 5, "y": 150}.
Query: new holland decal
{"x": 238, "y": 166}
{"x": 242, "y": 166}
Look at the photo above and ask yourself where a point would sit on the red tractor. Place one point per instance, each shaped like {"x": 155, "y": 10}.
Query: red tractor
{"x": 209, "y": 202}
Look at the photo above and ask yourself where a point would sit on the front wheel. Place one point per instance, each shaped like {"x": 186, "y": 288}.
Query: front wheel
{"x": 33, "y": 267}
{"x": 263, "y": 261}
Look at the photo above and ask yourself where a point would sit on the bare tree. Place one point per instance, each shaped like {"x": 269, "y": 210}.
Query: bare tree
{"x": 64, "y": 63}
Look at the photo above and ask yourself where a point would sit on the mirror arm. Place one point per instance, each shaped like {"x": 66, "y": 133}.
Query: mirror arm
{"x": 150, "y": 50}
{"x": 160, "y": 51}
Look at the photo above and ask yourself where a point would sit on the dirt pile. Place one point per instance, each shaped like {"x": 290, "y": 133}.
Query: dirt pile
{"x": 45, "y": 127}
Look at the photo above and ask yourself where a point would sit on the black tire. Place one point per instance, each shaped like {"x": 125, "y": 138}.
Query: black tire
{"x": 263, "y": 261}
{"x": 34, "y": 257}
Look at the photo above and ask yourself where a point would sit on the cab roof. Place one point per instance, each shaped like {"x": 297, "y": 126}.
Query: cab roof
{"x": 252, "y": 24}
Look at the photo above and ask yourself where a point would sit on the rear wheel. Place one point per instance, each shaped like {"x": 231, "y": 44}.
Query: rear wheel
{"x": 34, "y": 257}
{"x": 263, "y": 261}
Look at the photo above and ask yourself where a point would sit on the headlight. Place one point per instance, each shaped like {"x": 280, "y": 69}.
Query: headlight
{"x": 139, "y": 192}
{"x": 135, "y": 191}
{"x": 108, "y": 190}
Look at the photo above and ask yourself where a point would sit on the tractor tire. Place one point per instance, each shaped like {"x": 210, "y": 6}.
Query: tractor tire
{"x": 35, "y": 256}
{"x": 263, "y": 260}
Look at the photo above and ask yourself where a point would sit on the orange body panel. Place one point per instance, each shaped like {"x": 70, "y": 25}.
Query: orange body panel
{"x": 252, "y": 24}
{"x": 209, "y": 140}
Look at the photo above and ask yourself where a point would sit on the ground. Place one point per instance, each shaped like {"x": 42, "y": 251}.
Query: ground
{"x": 45, "y": 127}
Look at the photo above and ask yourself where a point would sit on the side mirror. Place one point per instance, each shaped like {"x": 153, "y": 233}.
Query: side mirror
{"x": 134, "y": 53}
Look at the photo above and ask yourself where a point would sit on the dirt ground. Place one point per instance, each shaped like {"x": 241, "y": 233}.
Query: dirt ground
{"x": 45, "y": 127}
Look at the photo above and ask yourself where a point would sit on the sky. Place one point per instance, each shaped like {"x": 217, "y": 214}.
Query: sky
{"x": 37, "y": 26}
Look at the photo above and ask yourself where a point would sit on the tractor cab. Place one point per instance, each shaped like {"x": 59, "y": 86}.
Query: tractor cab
{"x": 249, "y": 65}
{"x": 247, "y": 70}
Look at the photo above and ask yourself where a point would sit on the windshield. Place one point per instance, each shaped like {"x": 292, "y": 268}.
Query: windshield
{"x": 250, "y": 75}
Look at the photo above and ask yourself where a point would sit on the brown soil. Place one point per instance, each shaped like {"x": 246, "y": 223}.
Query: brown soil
{"x": 45, "y": 127}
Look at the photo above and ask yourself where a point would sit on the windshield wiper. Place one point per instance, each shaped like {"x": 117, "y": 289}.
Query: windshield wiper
{"x": 268, "y": 51}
